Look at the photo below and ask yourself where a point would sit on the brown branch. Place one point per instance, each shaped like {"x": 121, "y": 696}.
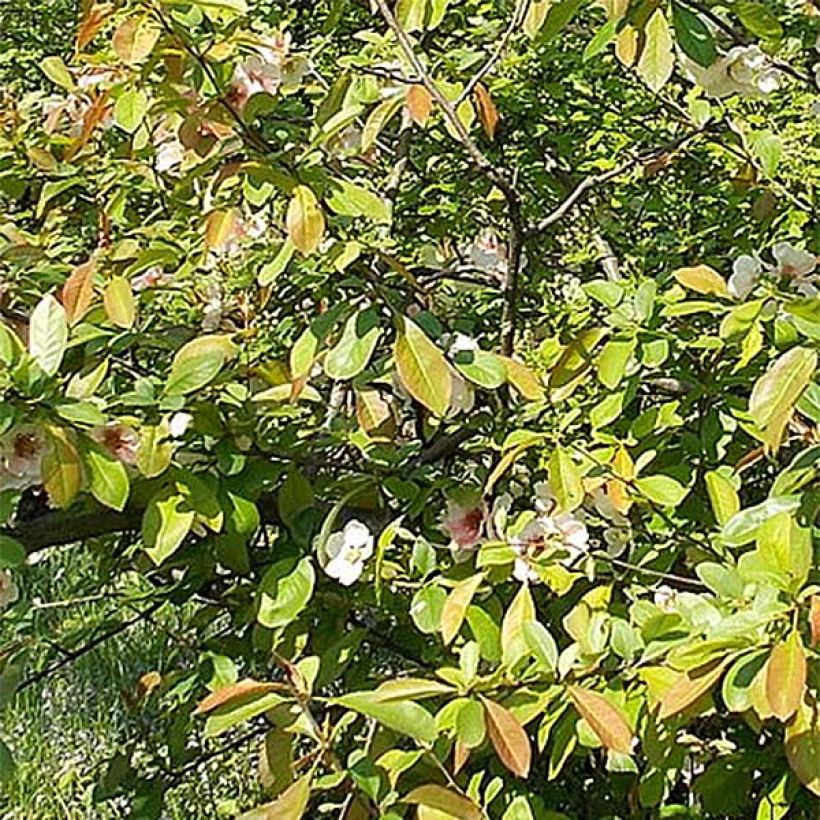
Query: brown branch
{"x": 487, "y": 169}
{"x": 72, "y": 655}
{"x": 581, "y": 190}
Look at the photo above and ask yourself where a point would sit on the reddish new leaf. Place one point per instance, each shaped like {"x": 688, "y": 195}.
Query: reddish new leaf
{"x": 509, "y": 739}
{"x": 604, "y": 719}
{"x": 487, "y": 112}
{"x": 224, "y": 694}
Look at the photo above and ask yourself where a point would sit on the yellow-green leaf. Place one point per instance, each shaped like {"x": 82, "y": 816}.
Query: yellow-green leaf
{"x": 422, "y": 368}
{"x": 802, "y": 743}
{"x": 62, "y": 470}
{"x": 702, "y": 279}
{"x": 134, "y": 39}
{"x": 444, "y": 800}
{"x": 688, "y": 687}
{"x": 118, "y": 300}
{"x": 658, "y": 57}
{"x": 565, "y": 480}
{"x": 722, "y": 495}
{"x": 778, "y": 390}
{"x": 455, "y": 607}
{"x": 786, "y": 677}
{"x": 305, "y": 220}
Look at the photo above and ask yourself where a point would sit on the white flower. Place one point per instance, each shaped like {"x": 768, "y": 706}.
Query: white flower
{"x": 212, "y": 314}
{"x": 665, "y": 597}
{"x": 796, "y": 265}
{"x": 565, "y": 532}
{"x": 119, "y": 439}
{"x": 746, "y": 271}
{"x": 347, "y": 550}
{"x": 487, "y": 253}
{"x": 266, "y": 71}
{"x": 743, "y": 70}
{"x": 179, "y": 424}
{"x": 462, "y": 343}
{"x": 21, "y": 457}
{"x": 169, "y": 155}
{"x": 463, "y": 524}
{"x": 8, "y": 589}
{"x": 544, "y": 499}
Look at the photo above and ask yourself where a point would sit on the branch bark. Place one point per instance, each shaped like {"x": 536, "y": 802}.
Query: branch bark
{"x": 515, "y": 234}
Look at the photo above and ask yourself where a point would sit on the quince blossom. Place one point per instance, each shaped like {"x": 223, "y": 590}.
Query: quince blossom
{"x": 743, "y": 70}
{"x": 266, "y": 71}
{"x": 21, "y": 457}
{"x": 563, "y": 531}
{"x": 347, "y": 550}
{"x": 464, "y": 524}
{"x": 8, "y": 589}
{"x": 119, "y": 440}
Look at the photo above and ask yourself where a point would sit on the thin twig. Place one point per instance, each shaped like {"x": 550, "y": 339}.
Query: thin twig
{"x": 585, "y": 185}
{"x": 73, "y": 655}
{"x": 494, "y": 175}
{"x": 522, "y": 6}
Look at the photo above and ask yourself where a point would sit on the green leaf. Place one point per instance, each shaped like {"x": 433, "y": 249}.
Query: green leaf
{"x": 8, "y": 768}
{"x": 12, "y": 552}
{"x": 541, "y": 644}
{"x": 284, "y": 592}
{"x": 107, "y": 477}
{"x": 270, "y": 272}
{"x": 165, "y": 525}
{"x": 513, "y": 640}
{"x": 615, "y": 358}
{"x": 742, "y": 527}
{"x": 482, "y": 368}
{"x": 662, "y": 490}
{"x": 197, "y": 363}
{"x": 422, "y": 368}
{"x": 353, "y": 351}
{"x": 48, "y": 334}
{"x": 349, "y": 199}
{"x": 55, "y": 69}
{"x": 658, "y": 57}
{"x": 768, "y": 148}
{"x": 759, "y": 20}
{"x": 722, "y": 496}
{"x": 558, "y": 17}
{"x": 130, "y": 110}
{"x": 693, "y": 35}
{"x": 565, "y": 480}
{"x": 601, "y": 40}
{"x": 405, "y": 717}
{"x": 239, "y": 710}
{"x": 378, "y": 119}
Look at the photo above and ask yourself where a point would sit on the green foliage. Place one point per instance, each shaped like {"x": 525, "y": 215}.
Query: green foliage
{"x": 450, "y": 370}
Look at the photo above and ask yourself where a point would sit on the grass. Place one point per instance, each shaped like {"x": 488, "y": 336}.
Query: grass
{"x": 63, "y": 730}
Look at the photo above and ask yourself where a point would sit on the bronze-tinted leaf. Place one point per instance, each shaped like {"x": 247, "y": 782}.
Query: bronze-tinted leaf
{"x": 135, "y": 38}
{"x": 604, "y": 719}
{"x": 814, "y": 620}
{"x": 93, "y": 20}
{"x": 225, "y": 694}
{"x": 688, "y": 687}
{"x": 78, "y": 290}
{"x": 419, "y": 104}
{"x": 444, "y": 800}
{"x": 786, "y": 677}
{"x": 802, "y": 742}
{"x": 487, "y": 111}
{"x": 509, "y": 739}
{"x": 422, "y": 368}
